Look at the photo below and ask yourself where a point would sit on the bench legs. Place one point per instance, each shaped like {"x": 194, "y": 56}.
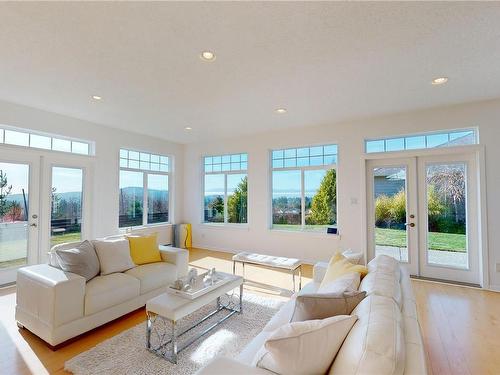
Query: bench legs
{"x": 297, "y": 270}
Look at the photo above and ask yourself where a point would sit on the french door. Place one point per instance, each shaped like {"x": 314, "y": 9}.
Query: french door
{"x": 423, "y": 211}
{"x": 19, "y": 213}
{"x": 43, "y": 202}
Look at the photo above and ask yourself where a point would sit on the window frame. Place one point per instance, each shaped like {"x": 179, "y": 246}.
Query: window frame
{"x": 145, "y": 174}
{"x": 302, "y": 228}
{"x": 52, "y": 137}
{"x": 425, "y": 135}
{"x": 225, "y": 197}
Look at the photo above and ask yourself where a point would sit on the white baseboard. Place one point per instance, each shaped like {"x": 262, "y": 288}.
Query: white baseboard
{"x": 494, "y": 288}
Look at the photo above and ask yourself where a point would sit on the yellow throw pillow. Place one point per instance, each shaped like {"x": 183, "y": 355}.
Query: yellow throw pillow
{"x": 144, "y": 249}
{"x": 339, "y": 266}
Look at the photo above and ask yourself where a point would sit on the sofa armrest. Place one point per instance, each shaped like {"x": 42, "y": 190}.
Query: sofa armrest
{"x": 49, "y": 294}
{"x": 229, "y": 366}
{"x": 319, "y": 271}
{"x": 177, "y": 256}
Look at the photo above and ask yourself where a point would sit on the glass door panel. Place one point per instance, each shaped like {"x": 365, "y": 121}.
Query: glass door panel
{"x": 391, "y": 210}
{"x": 447, "y": 215}
{"x": 66, "y": 205}
{"x": 389, "y": 200}
{"x": 449, "y": 204}
{"x": 14, "y": 211}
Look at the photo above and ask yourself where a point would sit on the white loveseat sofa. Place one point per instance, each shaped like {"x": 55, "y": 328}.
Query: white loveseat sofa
{"x": 57, "y": 305}
{"x": 386, "y": 339}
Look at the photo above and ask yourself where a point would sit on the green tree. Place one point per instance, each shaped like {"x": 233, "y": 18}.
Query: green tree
{"x": 324, "y": 201}
{"x": 217, "y": 208}
{"x": 237, "y": 203}
{"x": 5, "y": 190}
{"x": 135, "y": 209}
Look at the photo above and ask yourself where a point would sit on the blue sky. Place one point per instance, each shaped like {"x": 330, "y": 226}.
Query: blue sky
{"x": 284, "y": 182}
{"x": 17, "y": 176}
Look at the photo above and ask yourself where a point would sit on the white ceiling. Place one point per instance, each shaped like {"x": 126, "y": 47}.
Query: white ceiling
{"x": 324, "y": 62}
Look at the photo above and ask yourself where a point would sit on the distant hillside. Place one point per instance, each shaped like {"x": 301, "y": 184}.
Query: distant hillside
{"x": 74, "y": 195}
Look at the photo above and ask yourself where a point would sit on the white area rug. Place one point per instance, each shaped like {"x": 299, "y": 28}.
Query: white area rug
{"x": 126, "y": 353}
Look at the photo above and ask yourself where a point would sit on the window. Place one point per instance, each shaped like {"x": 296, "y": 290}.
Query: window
{"x": 304, "y": 188}
{"x": 144, "y": 189}
{"x": 66, "y": 210}
{"x": 225, "y": 189}
{"x": 422, "y": 141}
{"x": 26, "y": 138}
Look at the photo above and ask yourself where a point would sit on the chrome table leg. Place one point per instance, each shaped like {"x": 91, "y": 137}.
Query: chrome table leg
{"x": 174, "y": 343}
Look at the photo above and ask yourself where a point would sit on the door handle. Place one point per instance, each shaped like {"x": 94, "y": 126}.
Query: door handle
{"x": 410, "y": 224}
{"x": 33, "y": 225}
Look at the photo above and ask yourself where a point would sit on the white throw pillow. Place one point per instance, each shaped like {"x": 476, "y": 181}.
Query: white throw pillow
{"x": 114, "y": 255}
{"x": 304, "y": 347}
{"x": 353, "y": 256}
{"x": 346, "y": 283}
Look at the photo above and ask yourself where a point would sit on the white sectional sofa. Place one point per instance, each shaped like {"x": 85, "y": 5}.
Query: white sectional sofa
{"x": 57, "y": 305}
{"x": 385, "y": 340}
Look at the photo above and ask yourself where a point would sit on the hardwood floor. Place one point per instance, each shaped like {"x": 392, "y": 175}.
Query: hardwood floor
{"x": 460, "y": 325}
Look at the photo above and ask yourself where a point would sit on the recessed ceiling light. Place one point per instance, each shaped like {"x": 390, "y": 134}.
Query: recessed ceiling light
{"x": 439, "y": 80}
{"x": 96, "y": 97}
{"x": 188, "y": 128}
{"x": 207, "y": 56}
{"x": 280, "y": 110}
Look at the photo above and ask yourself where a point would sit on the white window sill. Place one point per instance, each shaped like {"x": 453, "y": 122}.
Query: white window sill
{"x": 125, "y": 230}
{"x": 225, "y": 226}
{"x": 304, "y": 232}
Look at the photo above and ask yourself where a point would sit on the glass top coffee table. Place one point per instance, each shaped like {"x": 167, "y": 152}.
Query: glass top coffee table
{"x": 166, "y": 310}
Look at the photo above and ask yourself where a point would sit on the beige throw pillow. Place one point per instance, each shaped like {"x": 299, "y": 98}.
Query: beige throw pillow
{"x": 354, "y": 257}
{"x": 304, "y": 347}
{"x": 114, "y": 255}
{"x": 322, "y": 306}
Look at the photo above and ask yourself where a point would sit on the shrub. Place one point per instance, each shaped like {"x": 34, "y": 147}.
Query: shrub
{"x": 398, "y": 207}
{"x": 383, "y": 205}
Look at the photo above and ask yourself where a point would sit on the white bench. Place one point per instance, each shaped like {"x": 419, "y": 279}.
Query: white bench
{"x": 289, "y": 264}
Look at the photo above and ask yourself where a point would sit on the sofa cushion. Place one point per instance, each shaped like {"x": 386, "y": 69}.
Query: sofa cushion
{"x": 81, "y": 259}
{"x": 283, "y": 316}
{"x": 304, "y": 347}
{"x": 376, "y": 342}
{"x": 247, "y": 355}
{"x": 106, "y": 291}
{"x": 154, "y": 275}
{"x": 385, "y": 264}
{"x": 114, "y": 255}
{"x": 382, "y": 284}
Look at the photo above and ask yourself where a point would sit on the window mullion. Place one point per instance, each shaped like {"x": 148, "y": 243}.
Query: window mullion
{"x": 145, "y": 198}
{"x": 225, "y": 198}
{"x": 302, "y": 200}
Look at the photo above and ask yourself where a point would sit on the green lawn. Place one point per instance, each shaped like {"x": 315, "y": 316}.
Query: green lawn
{"x": 66, "y": 237}
{"x": 438, "y": 241}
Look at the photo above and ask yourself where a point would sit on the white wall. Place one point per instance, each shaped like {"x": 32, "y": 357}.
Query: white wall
{"x": 108, "y": 141}
{"x": 350, "y": 138}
